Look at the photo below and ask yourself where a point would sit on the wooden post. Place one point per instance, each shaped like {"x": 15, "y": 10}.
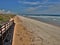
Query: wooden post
{"x": 1, "y": 37}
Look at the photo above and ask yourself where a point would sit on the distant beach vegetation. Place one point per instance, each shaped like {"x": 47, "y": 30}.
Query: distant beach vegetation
{"x": 5, "y": 18}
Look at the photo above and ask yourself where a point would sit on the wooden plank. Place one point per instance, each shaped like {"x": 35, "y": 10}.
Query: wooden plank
{"x": 4, "y": 32}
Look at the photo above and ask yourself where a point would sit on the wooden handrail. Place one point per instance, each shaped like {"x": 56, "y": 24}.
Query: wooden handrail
{"x": 5, "y": 26}
{"x": 4, "y": 31}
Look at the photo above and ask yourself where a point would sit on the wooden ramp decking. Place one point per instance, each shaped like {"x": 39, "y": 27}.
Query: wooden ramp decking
{"x": 8, "y": 40}
{"x": 6, "y": 33}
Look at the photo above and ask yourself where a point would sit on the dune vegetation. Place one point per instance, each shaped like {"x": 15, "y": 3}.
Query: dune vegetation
{"x": 5, "y": 17}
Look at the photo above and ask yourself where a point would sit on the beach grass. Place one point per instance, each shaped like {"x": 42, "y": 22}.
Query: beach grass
{"x": 5, "y": 17}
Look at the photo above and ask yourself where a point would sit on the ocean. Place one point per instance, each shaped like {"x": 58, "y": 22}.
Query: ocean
{"x": 54, "y": 20}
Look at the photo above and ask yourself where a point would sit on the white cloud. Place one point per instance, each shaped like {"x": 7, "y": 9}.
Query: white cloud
{"x": 54, "y": 9}
{"x": 50, "y": 10}
{"x": 38, "y": 5}
{"x": 33, "y": 8}
{"x": 33, "y": 3}
{"x": 52, "y": 4}
{"x": 30, "y": 3}
{"x": 2, "y": 11}
{"x": 30, "y": 9}
{"x": 5, "y": 12}
{"x": 8, "y": 12}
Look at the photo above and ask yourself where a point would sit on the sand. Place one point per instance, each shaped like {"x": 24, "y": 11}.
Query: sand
{"x": 21, "y": 36}
{"x": 31, "y": 32}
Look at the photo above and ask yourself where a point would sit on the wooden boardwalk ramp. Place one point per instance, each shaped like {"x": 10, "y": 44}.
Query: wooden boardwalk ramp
{"x": 8, "y": 40}
{"x": 6, "y": 33}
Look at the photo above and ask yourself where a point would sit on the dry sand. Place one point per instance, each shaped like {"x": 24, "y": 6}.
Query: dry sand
{"x": 21, "y": 36}
{"x": 32, "y": 32}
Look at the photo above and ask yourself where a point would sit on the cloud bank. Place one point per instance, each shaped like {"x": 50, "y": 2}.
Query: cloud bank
{"x": 5, "y": 12}
{"x": 39, "y": 6}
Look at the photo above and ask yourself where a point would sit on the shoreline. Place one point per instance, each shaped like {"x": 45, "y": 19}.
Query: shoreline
{"x": 51, "y": 23}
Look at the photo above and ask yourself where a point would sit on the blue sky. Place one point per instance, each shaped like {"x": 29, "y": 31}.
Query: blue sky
{"x": 31, "y": 6}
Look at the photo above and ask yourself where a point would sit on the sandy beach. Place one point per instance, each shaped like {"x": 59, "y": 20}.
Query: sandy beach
{"x": 31, "y": 32}
{"x": 21, "y": 36}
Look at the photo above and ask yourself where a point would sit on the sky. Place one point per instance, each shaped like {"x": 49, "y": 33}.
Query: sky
{"x": 31, "y": 6}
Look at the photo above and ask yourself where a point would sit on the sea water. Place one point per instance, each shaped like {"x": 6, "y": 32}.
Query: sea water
{"x": 54, "y": 20}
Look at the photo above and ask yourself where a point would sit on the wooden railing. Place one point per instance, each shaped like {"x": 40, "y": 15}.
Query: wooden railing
{"x": 4, "y": 31}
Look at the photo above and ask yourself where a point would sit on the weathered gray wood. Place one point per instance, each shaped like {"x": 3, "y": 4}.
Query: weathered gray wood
{"x": 4, "y": 32}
